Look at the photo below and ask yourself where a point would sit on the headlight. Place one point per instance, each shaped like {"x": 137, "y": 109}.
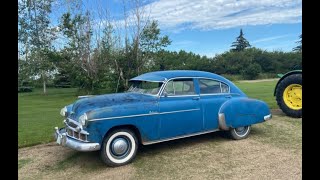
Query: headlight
{"x": 83, "y": 119}
{"x": 63, "y": 111}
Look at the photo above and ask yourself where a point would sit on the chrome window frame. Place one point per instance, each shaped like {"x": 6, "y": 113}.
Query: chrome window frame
{"x": 221, "y": 93}
{"x": 154, "y": 95}
{"x": 164, "y": 84}
{"x": 197, "y": 94}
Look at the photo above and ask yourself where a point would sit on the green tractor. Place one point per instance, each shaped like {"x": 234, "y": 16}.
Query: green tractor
{"x": 288, "y": 93}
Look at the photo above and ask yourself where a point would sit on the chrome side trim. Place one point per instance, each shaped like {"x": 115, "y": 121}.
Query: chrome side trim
{"x": 63, "y": 140}
{"x": 179, "y": 137}
{"x": 267, "y": 117}
{"x": 150, "y": 114}
{"x": 222, "y": 122}
{"x": 219, "y": 94}
{"x": 189, "y": 95}
{"x": 170, "y": 112}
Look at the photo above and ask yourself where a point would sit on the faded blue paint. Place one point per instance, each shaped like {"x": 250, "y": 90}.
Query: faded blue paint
{"x": 166, "y": 75}
{"x": 159, "y": 117}
{"x": 244, "y": 111}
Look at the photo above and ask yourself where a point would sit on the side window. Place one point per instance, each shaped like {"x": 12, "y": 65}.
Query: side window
{"x": 208, "y": 86}
{"x": 224, "y": 88}
{"x": 179, "y": 87}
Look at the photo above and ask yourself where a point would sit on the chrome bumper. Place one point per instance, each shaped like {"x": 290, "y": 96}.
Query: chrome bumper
{"x": 64, "y": 140}
{"x": 267, "y": 117}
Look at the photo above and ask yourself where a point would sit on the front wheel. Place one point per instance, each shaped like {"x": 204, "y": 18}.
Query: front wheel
{"x": 119, "y": 147}
{"x": 239, "y": 132}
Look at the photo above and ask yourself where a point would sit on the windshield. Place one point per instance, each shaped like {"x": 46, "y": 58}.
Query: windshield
{"x": 145, "y": 87}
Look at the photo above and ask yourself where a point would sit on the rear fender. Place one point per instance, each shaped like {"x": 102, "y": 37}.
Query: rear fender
{"x": 240, "y": 112}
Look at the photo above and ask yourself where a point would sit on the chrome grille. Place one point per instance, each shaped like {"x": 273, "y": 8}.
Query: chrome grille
{"x": 71, "y": 124}
{"x": 77, "y": 135}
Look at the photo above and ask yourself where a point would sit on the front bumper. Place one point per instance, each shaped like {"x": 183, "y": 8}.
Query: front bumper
{"x": 64, "y": 140}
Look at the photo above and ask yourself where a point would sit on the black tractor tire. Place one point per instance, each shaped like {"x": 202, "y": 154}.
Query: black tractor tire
{"x": 287, "y": 81}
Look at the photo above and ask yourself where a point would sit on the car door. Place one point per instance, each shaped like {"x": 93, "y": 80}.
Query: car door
{"x": 213, "y": 94}
{"x": 179, "y": 109}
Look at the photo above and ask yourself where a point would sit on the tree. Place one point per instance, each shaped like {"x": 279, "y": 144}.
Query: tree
{"x": 151, "y": 42}
{"x": 35, "y": 35}
{"x": 241, "y": 43}
{"x": 83, "y": 69}
{"x": 299, "y": 47}
{"x": 252, "y": 71}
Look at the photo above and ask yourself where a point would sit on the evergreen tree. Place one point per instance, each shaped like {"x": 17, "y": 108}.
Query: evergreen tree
{"x": 299, "y": 47}
{"x": 241, "y": 43}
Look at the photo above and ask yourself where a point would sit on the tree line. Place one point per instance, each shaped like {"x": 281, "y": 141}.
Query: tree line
{"x": 98, "y": 53}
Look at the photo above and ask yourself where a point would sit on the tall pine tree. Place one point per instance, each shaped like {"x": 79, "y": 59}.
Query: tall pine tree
{"x": 299, "y": 47}
{"x": 241, "y": 43}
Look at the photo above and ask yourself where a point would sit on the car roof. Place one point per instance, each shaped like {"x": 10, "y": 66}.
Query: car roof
{"x": 161, "y": 76}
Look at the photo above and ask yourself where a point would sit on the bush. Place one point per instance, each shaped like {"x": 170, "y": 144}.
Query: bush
{"x": 252, "y": 71}
{"x": 24, "y": 89}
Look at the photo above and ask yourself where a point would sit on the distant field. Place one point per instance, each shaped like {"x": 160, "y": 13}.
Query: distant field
{"x": 260, "y": 90}
{"x": 39, "y": 114}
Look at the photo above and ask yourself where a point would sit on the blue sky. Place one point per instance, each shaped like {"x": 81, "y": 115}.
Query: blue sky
{"x": 208, "y": 27}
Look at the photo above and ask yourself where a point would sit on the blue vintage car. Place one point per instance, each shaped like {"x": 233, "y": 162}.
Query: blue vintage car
{"x": 159, "y": 106}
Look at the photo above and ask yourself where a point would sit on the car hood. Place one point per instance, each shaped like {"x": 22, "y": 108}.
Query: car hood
{"x": 88, "y": 104}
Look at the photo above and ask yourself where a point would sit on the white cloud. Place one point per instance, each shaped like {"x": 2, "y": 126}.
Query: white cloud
{"x": 222, "y": 14}
{"x": 271, "y": 38}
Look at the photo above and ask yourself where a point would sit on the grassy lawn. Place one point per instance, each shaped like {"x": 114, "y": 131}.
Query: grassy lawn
{"x": 39, "y": 114}
{"x": 260, "y": 90}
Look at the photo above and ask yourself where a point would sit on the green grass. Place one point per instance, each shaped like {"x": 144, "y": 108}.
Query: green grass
{"x": 23, "y": 162}
{"x": 260, "y": 90}
{"x": 39, "y": 114}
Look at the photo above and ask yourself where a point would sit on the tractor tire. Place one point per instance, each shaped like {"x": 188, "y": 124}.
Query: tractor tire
{"x": 289, "y": 95}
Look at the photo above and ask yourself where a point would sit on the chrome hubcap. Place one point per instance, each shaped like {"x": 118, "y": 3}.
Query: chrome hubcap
{"x": 240, "y": 131}
{"x": 119, "y": 146}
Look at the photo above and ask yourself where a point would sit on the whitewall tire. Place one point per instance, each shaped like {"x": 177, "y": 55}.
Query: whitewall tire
{"x": 240, "y": 132}
{"x": 119, "y": 147}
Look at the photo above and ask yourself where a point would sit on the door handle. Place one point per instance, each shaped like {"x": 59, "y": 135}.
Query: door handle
{"x": 195, "y": 98}
{"x": 228, "y": 96}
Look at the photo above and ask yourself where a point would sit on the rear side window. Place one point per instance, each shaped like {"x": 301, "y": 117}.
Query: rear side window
{"x": 209, "y": 86}
{"x": 179, "y": 87}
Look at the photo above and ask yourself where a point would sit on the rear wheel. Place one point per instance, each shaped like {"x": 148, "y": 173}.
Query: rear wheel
{"x": 289, "y": 95}
{"x": 239, "y": 132}
{"x": 119, "y": 147}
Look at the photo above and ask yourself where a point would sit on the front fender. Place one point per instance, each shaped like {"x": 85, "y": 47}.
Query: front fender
{"x": 242, "y": 111}
{"x": 101, "y": 120}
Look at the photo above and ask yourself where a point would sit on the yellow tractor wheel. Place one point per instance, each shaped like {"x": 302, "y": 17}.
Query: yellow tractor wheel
{"x": 289, "y": 95}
